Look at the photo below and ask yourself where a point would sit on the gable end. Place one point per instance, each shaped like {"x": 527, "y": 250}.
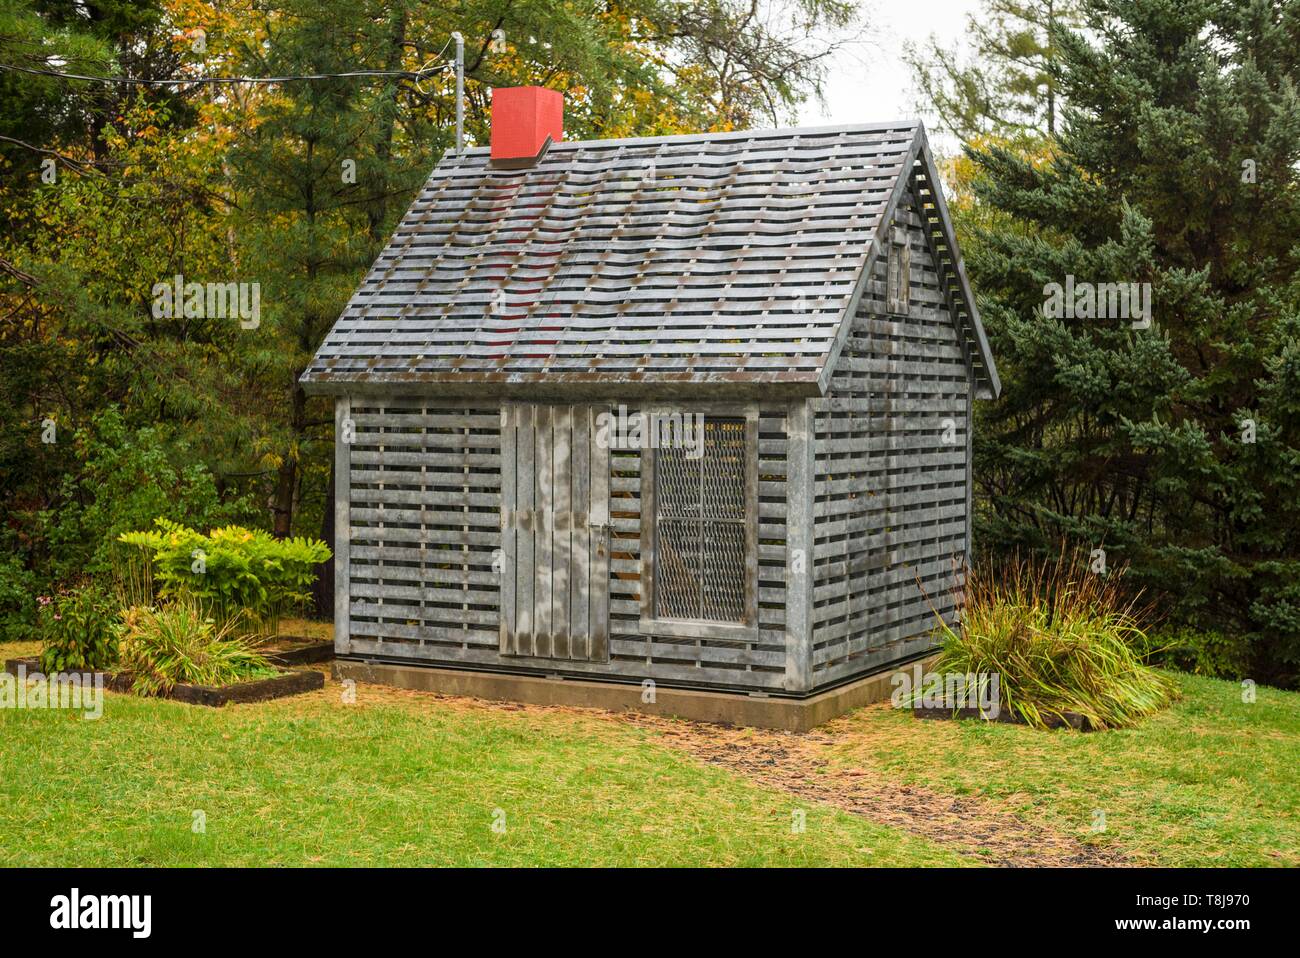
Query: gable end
{"x": 923, "y": 182}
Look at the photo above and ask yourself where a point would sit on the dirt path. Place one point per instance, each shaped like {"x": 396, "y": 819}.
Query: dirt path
{"x": 800, "y": 765}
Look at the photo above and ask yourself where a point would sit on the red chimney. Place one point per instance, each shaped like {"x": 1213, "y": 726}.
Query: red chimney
{"x": 525, "y": 121}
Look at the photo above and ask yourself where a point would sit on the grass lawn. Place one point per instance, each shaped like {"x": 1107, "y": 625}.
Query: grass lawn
{"x": 401, "y": 778}
{"x": 397, "y": 779}
{"x": 15, "y": 650}
{"x": 1209, "y": 781}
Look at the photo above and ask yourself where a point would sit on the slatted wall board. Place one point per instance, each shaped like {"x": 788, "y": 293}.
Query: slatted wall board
{"x": 426, "y": 528}
{"x": 891, "y": 495}
{"x": 427, "y": 559}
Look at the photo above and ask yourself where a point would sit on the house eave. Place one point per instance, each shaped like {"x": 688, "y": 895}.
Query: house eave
{"x": 573, "y": 386}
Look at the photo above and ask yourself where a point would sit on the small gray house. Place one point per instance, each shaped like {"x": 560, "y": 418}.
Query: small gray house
{"x": 511, "y": 375}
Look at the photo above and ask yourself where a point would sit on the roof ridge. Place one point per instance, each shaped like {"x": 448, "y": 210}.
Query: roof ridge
{"x": 718, "y": 136}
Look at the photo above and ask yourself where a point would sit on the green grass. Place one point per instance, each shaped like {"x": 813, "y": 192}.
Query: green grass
{"x": 17, "y": 650}
{"x": 307, "y": 628}
{"x": 1208, "y": 781}
{"x": 399, "y": 780}
{"x": 409, "y": 779}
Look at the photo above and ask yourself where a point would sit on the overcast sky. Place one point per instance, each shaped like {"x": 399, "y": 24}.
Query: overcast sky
{"x": 868, "y": 80}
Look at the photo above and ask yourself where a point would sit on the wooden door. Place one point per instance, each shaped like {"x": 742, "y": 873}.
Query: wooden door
{"x": 554, "y": 533}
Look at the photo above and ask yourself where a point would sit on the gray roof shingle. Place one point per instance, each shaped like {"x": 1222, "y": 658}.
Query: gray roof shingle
{"x": 668, "y": 265}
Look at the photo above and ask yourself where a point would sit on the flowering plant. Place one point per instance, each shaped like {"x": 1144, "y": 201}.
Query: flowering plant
{"x": 75, "y": 630}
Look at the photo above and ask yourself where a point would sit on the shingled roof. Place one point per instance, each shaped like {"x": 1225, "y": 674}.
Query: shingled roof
{"x": 710, "y": 264}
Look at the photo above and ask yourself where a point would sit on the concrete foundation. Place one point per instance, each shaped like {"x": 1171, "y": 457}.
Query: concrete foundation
{"x": 726, "y": 708}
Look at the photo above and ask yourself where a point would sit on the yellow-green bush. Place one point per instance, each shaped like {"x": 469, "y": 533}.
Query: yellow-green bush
{"x": 232, "y": 569}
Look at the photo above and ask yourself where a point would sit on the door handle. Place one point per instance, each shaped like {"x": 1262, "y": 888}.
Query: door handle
{"x": 600, "y": 537}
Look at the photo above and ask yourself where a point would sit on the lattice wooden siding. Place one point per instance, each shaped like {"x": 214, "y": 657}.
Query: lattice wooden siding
{"x": 929, "y": 212}
{"x": 426, "y": 527}
{"x": 891, "y": 497}
{"x": 425, "y": 517}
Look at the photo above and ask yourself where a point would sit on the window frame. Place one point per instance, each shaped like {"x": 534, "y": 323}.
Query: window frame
{"x": 745, "y": 630}
{"x": 898, "y": 290}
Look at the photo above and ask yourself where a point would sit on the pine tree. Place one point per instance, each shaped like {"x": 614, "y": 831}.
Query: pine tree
{"x": 1005, "y": 87}
{"x": 1174, "y": 447}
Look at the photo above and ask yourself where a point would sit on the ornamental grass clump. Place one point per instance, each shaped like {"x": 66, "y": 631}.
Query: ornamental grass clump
{"x": 1061, "y": 638}
{"x": 177, "y": 642}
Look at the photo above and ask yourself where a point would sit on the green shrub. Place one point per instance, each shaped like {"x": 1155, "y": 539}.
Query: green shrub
{"x": 177, "y": 642}
{"x": 121, "y": 477}
{"x": 1060, "y": 639}
{"x": 76, "y": 630}
{"x": 1201, "y": 652}
{"x": 67, "y": 502}
{"x": 18, "y": 606}
{"x": 231, "y": 570}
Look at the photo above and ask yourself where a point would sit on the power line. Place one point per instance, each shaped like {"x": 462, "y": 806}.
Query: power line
{"x": 429, "y": 67}
{"x": 142, "y": 81}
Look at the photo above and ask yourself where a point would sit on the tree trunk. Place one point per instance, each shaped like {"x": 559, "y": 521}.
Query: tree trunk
{"x": 282, "y": 504}
{"x": 287, "y": 475}
{"x": 377, "y": 209}
{"x": 322, "y": 590}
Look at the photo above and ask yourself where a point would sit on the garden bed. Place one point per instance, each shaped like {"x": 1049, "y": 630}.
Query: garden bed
{"x": 1071, "y": 720}
{"x": 256, "y": 690}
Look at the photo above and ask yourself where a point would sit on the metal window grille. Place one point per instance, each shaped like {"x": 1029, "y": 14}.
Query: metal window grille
{"x": 700, "y": 521}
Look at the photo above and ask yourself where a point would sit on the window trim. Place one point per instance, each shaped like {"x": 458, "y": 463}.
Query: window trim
{"x": 898, "y": 294}
{"x": 747, "y": 629}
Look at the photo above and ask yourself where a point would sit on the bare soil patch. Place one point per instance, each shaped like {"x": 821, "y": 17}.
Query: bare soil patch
{"x": 799, "y": 764}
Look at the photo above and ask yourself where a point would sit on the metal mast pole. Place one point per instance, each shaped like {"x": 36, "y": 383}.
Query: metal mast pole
{"x": 460, "y": 91}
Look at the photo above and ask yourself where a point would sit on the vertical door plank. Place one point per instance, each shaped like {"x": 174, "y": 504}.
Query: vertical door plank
{"x": 526, "y": 523}
{"x": 545, "y": 523}
{"x": 600, "y": 547}
{"x": 801, "y": 432}
{"x": 562, "y": 523}
{"x": 584, "y": 428}
{"x": 509, "y": 519}
{"x": 554, "y": 533}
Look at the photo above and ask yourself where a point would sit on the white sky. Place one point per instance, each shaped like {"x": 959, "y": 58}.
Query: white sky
{"x": 868, "y": 80}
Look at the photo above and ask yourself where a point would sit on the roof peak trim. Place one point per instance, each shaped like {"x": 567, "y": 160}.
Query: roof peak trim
{"x": 902, "y": 126}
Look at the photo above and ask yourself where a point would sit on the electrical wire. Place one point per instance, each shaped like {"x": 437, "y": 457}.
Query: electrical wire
{"x": 426, "y": 70}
